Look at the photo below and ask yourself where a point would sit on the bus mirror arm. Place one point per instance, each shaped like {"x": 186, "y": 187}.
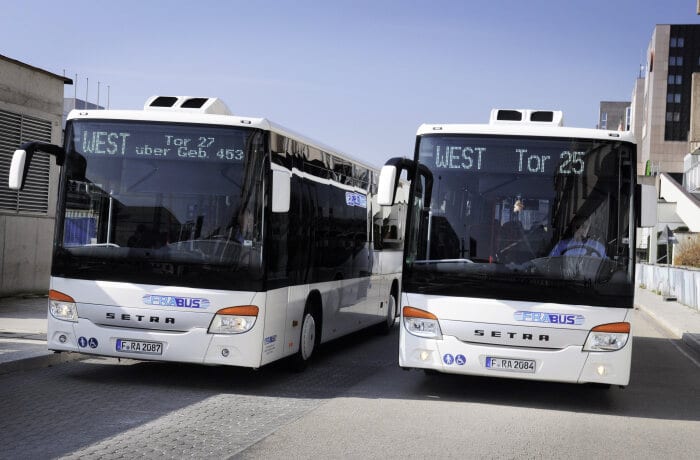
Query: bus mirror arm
{"x": 391, "y": 173}
{"x": 428, "y": 175}
{"x": 22, "y": 158}
{"x": 389, "y": 179}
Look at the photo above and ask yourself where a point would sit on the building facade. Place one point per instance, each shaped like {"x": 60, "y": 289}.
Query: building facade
{"x": 673, "y": 56}
{"x": 31, "y": 106}
{"x": 666, "y": 122}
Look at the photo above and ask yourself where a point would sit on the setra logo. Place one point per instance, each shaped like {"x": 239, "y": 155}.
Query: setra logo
{"x": 172, "y": 301}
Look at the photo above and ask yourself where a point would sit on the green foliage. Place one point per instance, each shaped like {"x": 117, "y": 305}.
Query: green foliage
{"x": 688, "y": 253}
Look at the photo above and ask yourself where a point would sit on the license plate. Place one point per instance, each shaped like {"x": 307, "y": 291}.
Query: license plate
{"x": 139, "y": 346}
{"x": 508, "y": 364}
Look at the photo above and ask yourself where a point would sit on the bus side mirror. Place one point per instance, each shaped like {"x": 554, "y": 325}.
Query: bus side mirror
{"x": 647, "y": 203}
{"x": 22, "y": 158}
{"x": 281, "y": 189}
{"x": 386, "y": 190}
{"x": 18, "y": 170}
{"x": 389, "y": 179}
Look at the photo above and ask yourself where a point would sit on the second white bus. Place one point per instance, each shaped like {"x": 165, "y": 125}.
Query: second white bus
{"x": 519, "y": 250}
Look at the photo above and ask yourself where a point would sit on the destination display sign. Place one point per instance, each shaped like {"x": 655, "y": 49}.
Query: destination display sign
{"x": 502, "y": 156}
{"x": 160, "y": 141}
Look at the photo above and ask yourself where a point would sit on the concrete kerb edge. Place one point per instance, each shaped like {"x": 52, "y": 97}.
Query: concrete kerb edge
{"x": 691, "y": 340}
{"x": 659, "y": 320}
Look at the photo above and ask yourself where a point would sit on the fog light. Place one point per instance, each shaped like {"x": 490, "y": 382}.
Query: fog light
{"x": 602, "y": 370}
{"x": 225, "y": 352}
{"x": 424, "y": 355}
{"x": 62, "y": 338}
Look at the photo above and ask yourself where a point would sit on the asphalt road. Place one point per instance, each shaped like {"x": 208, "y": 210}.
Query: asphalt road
{"x": 353, "y": 402}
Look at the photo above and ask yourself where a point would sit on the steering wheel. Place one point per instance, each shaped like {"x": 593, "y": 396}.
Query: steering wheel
{"x": 589, "y": 250}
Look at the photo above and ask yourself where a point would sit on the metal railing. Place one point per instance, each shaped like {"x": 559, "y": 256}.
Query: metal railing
{"x": 681, "y": 283}
{"x": 692, "y": 178}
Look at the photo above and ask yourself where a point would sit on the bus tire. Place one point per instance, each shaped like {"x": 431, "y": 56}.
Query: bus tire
{"x": 308, "y": 340}
{"x": 388, "y": 324}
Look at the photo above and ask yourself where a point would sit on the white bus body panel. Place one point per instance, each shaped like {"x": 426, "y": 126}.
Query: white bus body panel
{"x": 348, "y": 305}
{"x": 559, "y": 358}
{"x": 184, "y": 340}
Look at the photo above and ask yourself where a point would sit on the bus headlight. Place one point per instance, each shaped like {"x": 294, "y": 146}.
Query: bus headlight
{"x": 421, "y": 323}
{"x": 62, "y": 306}
{"x": 234, "y": 320}
{"x": 607, "y": 337}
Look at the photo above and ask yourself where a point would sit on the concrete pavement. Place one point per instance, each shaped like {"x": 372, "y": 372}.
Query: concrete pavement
{"x": 23, "y": 335}
{"x": 23, "y": 328}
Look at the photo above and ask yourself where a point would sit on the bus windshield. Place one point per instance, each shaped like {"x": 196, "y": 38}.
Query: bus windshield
{"x": 522, "y": 218}
{"x": 162, "y": 203}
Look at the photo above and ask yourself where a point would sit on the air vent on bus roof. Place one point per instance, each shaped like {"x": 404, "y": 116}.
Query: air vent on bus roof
{"x": 210, "y": 105}
{"x": 535, "y": 117}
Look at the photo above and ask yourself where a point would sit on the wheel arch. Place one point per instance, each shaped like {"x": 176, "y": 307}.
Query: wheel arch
{"x": 314, "y": 305}
{"x": 394, "y": 291}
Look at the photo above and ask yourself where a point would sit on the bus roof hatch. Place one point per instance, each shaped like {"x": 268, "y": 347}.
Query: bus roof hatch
{"x": 209, "y": 105}
{"x": 539, "y": 117}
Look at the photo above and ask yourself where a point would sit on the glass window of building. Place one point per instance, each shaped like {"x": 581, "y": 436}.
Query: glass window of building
{"x": 673, "y": 98}
{"x": 677, "y": 42}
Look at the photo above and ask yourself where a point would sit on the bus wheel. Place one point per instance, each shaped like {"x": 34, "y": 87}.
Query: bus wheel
{"x": 385, "y": 327}
{"x": 307, "y": 342}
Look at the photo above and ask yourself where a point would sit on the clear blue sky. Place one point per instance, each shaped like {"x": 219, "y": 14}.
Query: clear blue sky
{"x": 357, "y": 75}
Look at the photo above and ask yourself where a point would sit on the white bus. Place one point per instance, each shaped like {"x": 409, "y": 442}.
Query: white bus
{"x": 188, "y": 234}
{"x": 519, "y": 249}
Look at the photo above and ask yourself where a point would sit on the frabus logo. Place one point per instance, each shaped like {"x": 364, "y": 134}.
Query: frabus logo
{"x": 172, "y": 301}
{"x": 551, "y": 318}
{"x": 355, "y": 199}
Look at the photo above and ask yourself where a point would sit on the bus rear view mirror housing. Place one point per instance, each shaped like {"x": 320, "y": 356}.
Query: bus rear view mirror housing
{"x": 647, "y": 199}
{"x": 388, "y": 182}
{"x": 281, "y": 189}
{"x": 18, "y": 170}
{"x": 22, "y": 158}
{"x": 390, "y": 175}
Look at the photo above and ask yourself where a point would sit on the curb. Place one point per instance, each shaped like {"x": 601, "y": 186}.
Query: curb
{"x": 691, "y": 340}
{"x": 665, "y": 325}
